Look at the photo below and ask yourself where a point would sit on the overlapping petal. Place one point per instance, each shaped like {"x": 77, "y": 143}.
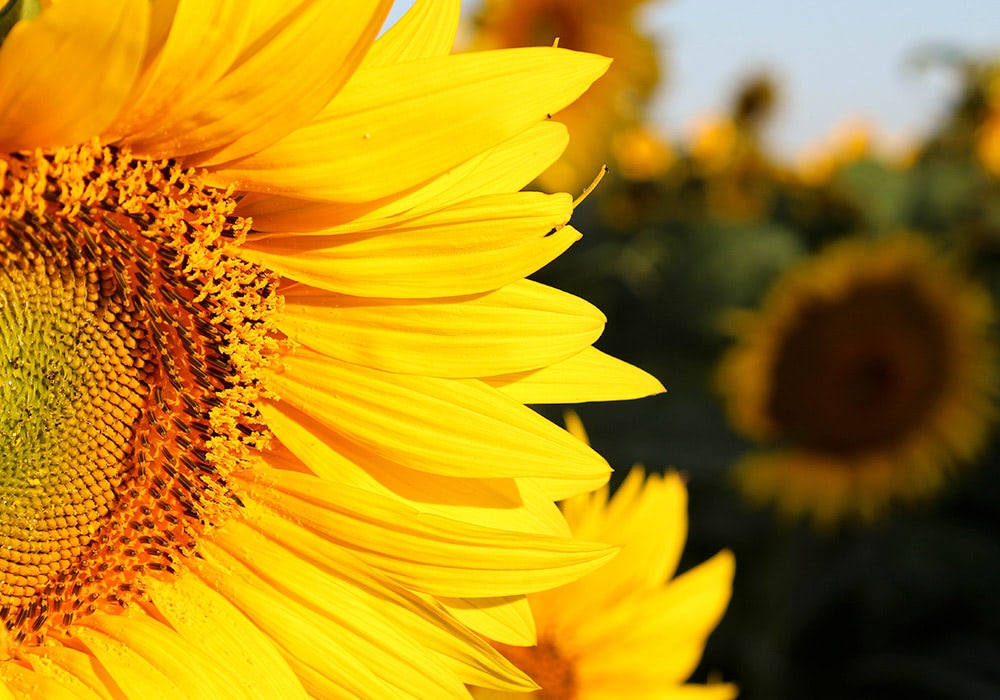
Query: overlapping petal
{"x": 415, "y": 106}
{"x": 522, "y": 326}
{"x": 590, "y": 375}
{"x": 503, "y": 169}
{"x": 428, "y": 29}
{"x": 512, "y": 504}
{"x": 431, "y": 424}
{"x": 474, "y": 247}
{"x": 424, "y": 551}
{"x": 629, "y": 629}
{"x": 294, "y": 59}
{"x": 66, "y": 73}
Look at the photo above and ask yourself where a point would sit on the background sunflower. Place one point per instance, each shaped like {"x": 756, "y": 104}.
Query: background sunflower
{"x": 870, "y": 372}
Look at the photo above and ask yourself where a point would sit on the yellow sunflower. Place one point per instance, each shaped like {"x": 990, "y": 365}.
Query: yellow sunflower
{"x": 615, "y": 102}
{"x": 987, "y": 143}
{"x": 641, "y": 154}
{"x": 628, "y": 630}
{"x": 851, "y": 141}
{"x": 871, "y": 370}
{"x": 265, "y": 343}
{"x": 848, "y": 143}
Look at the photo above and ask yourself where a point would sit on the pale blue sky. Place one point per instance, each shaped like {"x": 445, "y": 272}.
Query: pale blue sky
{"x": 835, "y": 59}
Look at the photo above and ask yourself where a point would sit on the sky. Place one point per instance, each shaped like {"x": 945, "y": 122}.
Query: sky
{"x": 835, "y": 60}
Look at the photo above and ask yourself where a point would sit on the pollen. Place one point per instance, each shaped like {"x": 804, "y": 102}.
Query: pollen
{"x": 131, "y": 343}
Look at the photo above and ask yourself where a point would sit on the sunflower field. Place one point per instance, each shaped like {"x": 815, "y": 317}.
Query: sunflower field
{"x": 334, "y": 340}
{"x": 825, "y": 326}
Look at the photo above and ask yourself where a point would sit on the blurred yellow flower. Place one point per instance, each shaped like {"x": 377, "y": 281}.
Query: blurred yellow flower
{"x": 265, "y": 343}
{"x": 870, "y": 369}
{"x": 851, "y": 141}
{"x": 848, "y": 143}
{"x": 735, "y": 173}
{"x": 640, "y": 154}
{"x": 628, "y": 630}
{"x": 988, "y": 137}
{"x": 615, "y": 102}
{"x": 713, "y": 143}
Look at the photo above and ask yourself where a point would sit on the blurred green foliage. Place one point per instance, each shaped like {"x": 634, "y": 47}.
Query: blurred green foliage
{"x": 904, "y": 608}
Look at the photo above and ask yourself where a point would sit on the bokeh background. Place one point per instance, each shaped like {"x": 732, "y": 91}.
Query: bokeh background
{"x": 743, "y": 140}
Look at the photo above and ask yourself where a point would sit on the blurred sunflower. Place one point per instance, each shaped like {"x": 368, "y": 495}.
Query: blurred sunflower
{"x": 713, "y": 142}
{"x": 627, "y": 630}
{"x": 615, "y": 102}
{"x": 736, "y": 176}
{"x": 640, "y": 154}
{"x": 848, "y": 143}
{"x": 871, "y": 366}
{"x": 264, "y": 347}
{"x": 851, "y": 141}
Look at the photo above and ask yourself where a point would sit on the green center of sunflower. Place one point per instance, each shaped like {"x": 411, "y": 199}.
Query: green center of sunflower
{"x": 129, "y": 346}
{"x": 71, "y": 389}
{"x": 861, "y": 372}
{"x": 547, "y": 666}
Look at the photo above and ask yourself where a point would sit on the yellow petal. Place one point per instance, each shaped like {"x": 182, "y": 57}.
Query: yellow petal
{"x": 522, "y": 326}
{"x": 191, "y": 49}
{"x": 507, "y": 620}
{"x": 427, "y": 29}
{"x": 644, "y": 563}
{"x": 206, "y": 620}
{"x": 506, "y": 168}
{"x": 638, "y": 504}
{"x": 504, "y": 212}
{"x": 188, "y": 667}
{"x": 65, "y": 74}
{"x": 349, "y": 646}
{"x": 424, "y": 552}
{"x": 392, "y": 120}
{"x": 588, "y": 376}
{"x": 6, "y": 691}
{"x": 453, "y": 427}
{"x": 463, "y": 250}
{"x": 677, "y": 619}
{"x": 507, "y": 504}
{"x": 322, "y": 576}
{"x": 134, "y": 674}
{"x": 278, "y": 82}
{"x": 71, "y": 667}
{"x": 21, "y": 682}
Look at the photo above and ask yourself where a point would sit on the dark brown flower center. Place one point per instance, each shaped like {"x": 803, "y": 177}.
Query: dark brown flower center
{"x": 129, "y": 341}
{"x": 860, "y": 372}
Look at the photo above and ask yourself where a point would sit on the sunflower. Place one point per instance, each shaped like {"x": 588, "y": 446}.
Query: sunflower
{"x": 987, "y": 144}
{"x": 871, "y": 370}
{"x": 640, "y": 154}
{"x": 850, "y": 142}
{"x": 628, "y": 630}
{"x": 614, "y": 104}
{"x": 265, "y": 344}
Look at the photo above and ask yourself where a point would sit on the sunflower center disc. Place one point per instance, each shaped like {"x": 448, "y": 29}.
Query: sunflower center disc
{"x": 862, "y": 372}
{"x": 130, "y": 346}
{"x": 71, "y": 388}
